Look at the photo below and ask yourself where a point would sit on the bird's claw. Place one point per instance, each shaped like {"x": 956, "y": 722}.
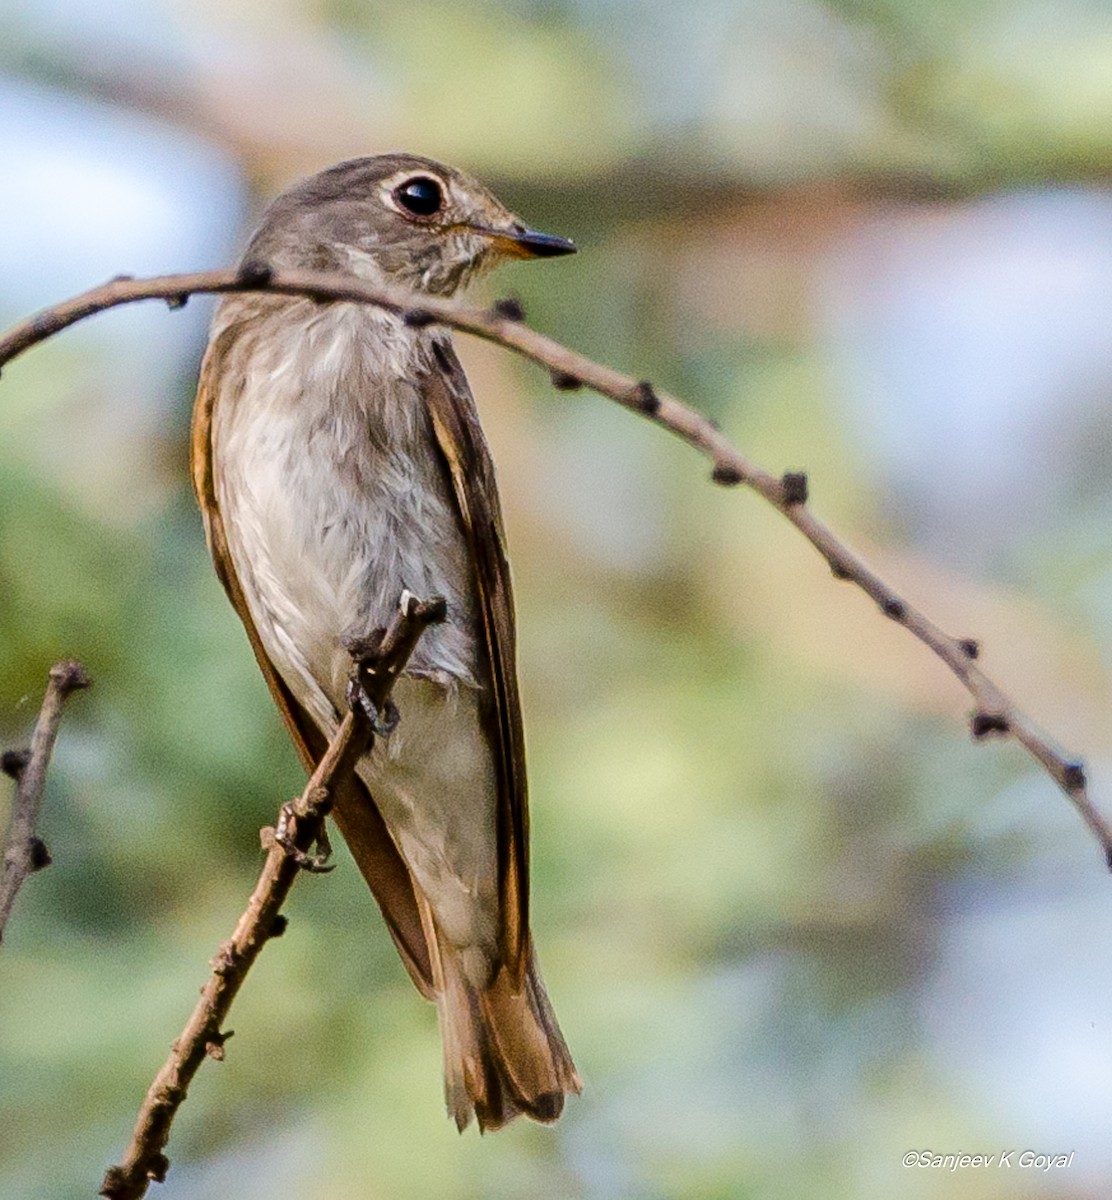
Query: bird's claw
{"x": 365, "y": 652}
{"x": 315, "y": 864}
{"x": 386, "y": 720}
{"x": 383, "y": 720}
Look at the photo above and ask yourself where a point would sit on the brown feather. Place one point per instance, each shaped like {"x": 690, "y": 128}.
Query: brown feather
{"x": 504, "y": 1053}
{"x": 355, "y": 812}
{"x": 456, "y": 425}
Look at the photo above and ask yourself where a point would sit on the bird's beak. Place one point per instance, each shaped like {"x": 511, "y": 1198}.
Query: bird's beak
{"x": 519, "y": 242}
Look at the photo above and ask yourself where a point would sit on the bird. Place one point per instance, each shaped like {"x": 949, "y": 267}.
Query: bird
{"x": 338, "y": 462}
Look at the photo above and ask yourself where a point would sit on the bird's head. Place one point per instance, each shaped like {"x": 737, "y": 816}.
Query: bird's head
{"x": 396, "y": 218}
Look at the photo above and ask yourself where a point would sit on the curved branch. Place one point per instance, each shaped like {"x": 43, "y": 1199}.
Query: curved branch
{"x": 300, "y": 826}
{"x": 23, "y": 851}
{"x": 995, "y": 713}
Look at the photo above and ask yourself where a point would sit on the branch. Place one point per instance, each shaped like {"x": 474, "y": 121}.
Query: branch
{"x": 300, "y": 827}
{"x": 995, "y": 713}
{"x": 25, "y": 852}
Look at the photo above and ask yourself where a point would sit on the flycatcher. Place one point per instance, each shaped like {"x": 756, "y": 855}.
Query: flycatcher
{"x": 338, "y": 461}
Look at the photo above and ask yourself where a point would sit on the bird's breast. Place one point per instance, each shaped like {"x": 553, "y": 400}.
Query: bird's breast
{"x": 334, "y": 495}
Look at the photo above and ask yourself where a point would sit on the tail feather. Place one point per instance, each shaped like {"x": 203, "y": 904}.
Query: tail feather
{"x": 504, "y": 1055}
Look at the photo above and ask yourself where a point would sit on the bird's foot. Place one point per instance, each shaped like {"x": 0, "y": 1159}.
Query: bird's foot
{"x": 383, "y": 720}
{"x": 315, "y": 864}
{"x": 365, "y": 655}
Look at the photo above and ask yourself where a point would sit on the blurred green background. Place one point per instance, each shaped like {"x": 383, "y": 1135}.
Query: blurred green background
{"x": 795, "y": 923}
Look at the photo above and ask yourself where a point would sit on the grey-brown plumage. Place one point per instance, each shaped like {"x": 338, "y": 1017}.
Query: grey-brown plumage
{"x": 338, "y": 461}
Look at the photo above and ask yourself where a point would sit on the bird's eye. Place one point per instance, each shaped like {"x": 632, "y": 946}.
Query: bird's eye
{"x": 420, "y": 196}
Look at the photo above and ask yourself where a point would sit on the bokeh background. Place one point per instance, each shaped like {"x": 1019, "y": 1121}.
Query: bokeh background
{"x": 795, "y": 923}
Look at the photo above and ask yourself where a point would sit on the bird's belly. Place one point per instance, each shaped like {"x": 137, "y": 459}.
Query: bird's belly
{"x": 326, "y": 531}
{"x": 433, "y": 780}
{"x": 331, "y": 517}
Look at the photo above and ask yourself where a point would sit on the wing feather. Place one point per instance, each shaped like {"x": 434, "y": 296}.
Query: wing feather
{"x": 467, "y": 458}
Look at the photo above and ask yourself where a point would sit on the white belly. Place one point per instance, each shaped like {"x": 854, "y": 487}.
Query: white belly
{"x": 334, "y": 502}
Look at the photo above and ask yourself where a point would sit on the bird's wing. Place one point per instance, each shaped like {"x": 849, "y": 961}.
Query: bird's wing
{"x": 355, "y": 811}
{"x": 456, "y": 425}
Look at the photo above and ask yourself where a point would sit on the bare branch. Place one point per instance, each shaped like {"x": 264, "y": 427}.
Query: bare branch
{"x": 300, "y": 826}
{"x": 994, "y": 711}
{"x": 25, "y": 852}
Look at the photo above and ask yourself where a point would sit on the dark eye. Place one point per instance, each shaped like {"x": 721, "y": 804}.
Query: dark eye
{"x": 421, "y": 196}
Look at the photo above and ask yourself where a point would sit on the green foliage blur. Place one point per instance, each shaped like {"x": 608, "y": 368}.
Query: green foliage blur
{"x": 792, "y": 919}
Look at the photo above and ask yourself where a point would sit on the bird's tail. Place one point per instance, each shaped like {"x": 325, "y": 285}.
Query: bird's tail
{"x": 504, "y": 1054}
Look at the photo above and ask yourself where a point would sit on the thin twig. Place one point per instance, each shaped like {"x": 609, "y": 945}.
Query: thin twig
{"x": 303, "y": 823}
{"x": 995, "y": 713}
{"x": 24, "y": 851}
